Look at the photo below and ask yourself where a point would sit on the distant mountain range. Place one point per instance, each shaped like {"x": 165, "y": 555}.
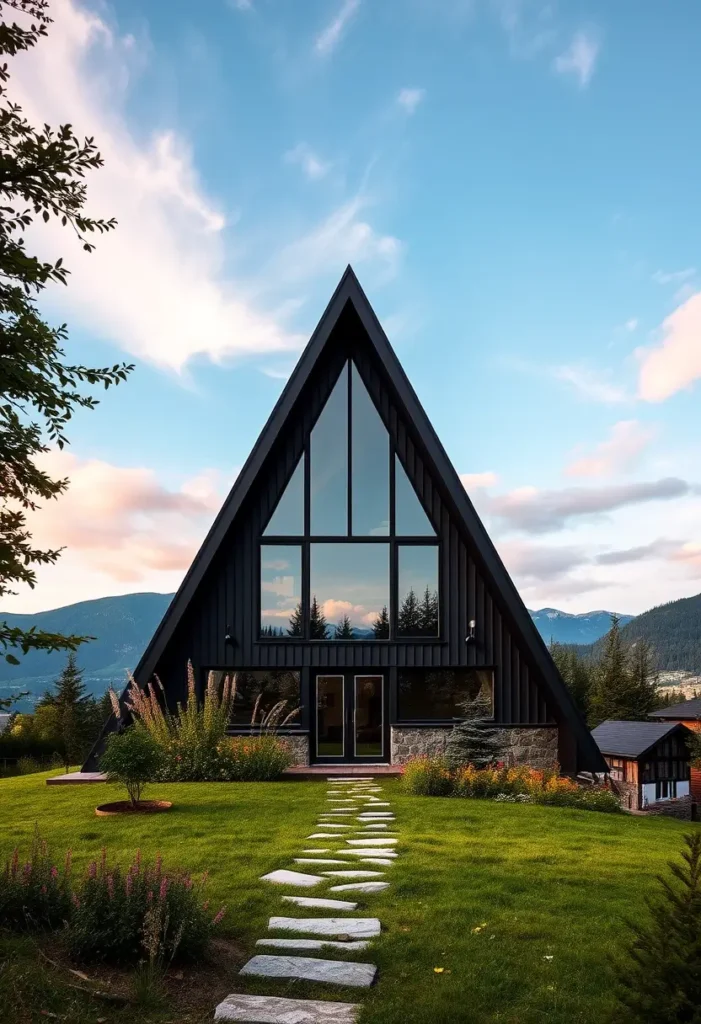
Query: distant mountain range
{"x": 573, "y": 629}
{"x": 124, "y": 625}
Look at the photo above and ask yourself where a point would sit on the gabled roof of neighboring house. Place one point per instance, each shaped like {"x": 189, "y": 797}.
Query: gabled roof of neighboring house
{"x": 632, "y": 739}
{"x": 349, "y": 291}
{"x": 687, "y": 709}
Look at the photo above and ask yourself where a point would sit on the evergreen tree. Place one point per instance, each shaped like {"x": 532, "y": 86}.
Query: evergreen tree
{"x": 475, "y": 740}
{"x": 296, "y": 626}
{"x": 318, "y": 625}
{"x": 76, "y": 712}
{"x": 662, "y": 985}
{"x": 611, "y": 679}
{"x": 642, "y": 694}
{"x": 428, "y": 613}
{"x": 577, "y": 674}
{"x": 409, "y": 618}
{"x": 344, "y": 630}
{"x": 380, "y": 626}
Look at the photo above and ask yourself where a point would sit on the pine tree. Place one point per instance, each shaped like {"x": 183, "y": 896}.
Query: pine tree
{"x": 296, "y": 626}
{"x": 76, "y": 711}
{"x": 577, "y": 674}
{"x": 611, "y": 679}
{"x": 344, "y": 630}
{"x": 662, "y": 985}
{"x": 642, "y": 693}
{"x": 318, "y": 625}
{"x": 380, "y": 626}
{"x": 475, "y": 740}
{"x": 428, "y": 613}
{"x": 409, "y": 618}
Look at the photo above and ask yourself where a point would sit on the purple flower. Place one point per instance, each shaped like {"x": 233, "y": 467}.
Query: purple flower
{"x": 54, "y": 872}
{"x": 219, "y": 916}
{"x": 164, "y": 888}
{"x": 92, "y": 870}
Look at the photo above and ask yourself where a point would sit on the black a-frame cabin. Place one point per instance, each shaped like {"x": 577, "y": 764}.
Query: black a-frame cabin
{"x": 349, "y": 574}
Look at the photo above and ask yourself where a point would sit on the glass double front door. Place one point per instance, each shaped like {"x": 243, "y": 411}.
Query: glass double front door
{"x": 350, "y": 717}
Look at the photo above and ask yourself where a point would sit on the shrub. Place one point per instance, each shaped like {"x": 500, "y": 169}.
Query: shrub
{"x": 254, "y": 758}
{"x": 661, "y": 982}
{"x": 428, "y": 776}
{"x": 476, "y": 740}
{"x": 132, "y": 758}
{"x": 35, "y": 893}
{"x": 125, "y": 917}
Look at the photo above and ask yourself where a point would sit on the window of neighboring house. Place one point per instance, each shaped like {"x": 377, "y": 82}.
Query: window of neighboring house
{"x": 617, "y": 768}
{"x": 438, "y": 694}
{"x": 364, "y": 564}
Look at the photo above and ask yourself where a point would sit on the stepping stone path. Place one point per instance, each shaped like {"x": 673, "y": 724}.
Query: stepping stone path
{"x": 329, "y": 934}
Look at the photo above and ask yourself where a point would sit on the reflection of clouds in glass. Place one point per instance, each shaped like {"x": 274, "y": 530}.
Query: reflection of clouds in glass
{"x": 280, "y": 584}
{"x": 277, "y": 613}
{"x": 284, "y": 586}
{"x": 350, "y": 580}
{"x": 280, "y": 564}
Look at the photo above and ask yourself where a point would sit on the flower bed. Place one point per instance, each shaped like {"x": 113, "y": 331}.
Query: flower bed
{"x": 431, "y": 776}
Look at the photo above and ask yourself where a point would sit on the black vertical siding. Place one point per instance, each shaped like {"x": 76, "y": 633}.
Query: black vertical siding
{"x": 227, "y": 596}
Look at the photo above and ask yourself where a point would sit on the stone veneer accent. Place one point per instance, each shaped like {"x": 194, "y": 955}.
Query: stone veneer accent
{"x": 299, "y": 746}
{"x": 532, "y": 745}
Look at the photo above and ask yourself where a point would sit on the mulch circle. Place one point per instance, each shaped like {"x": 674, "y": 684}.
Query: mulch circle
{"x": 126, "y": 807}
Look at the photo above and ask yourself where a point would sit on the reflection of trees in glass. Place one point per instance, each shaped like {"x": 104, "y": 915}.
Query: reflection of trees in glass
{"x": 257, "y": 693}
{"x": 272, "y": 631}
{"x": 380, "y": 626}
{"x": 318, "y": 625}
{"x": 344, "y": 630}
{"x": 418, "y": 618}
{"x": 296, "y": 626}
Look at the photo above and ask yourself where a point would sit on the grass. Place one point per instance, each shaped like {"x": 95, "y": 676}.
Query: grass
{"x": 548, "y": 889}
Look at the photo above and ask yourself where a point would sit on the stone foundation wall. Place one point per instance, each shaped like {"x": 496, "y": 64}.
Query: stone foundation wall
{"x": 299, "y": 745}
{"x": 677, "y": 808}
{"x": 532, "y": 745}
{"x": 628, "y": 794}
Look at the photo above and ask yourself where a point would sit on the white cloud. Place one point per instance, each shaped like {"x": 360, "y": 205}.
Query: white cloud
{"x": 240, "y": 5}
{"x": 579, "y": 59}
{"x": 620, "y": 453}
{"x": 342, "y": 238}
{"x": 675, "y": 363}
{"x": 591, "y": 384}
{"x": 312, "y": 165}
{"x": 478, "y": 480}
{"x": 409, "y": 99}
{"x": 329, "y": 38}
{"x": 673, "y": 276}
{"x": 156, "y": 285}
{"x": 632, "y": 324}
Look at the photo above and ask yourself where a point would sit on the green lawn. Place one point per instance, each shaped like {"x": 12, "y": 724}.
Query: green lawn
{"x": 550, "y": 887}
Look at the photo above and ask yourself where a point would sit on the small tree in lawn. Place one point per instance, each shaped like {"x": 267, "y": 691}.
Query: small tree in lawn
{"x": 132, "y": 758}
{"x": 475, "y": 740}
{"x": 662, "y": 985}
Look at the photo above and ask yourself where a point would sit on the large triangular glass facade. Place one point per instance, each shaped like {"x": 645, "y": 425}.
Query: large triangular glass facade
{"x": 369, "y": 464}
{"x": 410, "y": 518}
{"x": 288, "y": 518}
{"x": 329, "y": 464}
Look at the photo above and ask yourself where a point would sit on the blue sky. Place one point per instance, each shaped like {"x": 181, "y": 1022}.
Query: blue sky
{"x": 516, "y": 186}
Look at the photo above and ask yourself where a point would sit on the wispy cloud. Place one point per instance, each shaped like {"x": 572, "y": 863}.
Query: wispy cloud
{"x": 156, "y": 286}
{"x": 529, "y": 31}
{"x": 330, "y": 36}
{"x": 673, "y": 276}
{"x": 540, "y": 511}
{"x": 240, "y": 5}
{"x": 409, "y": 99}
{"x": 618, "y": 454}
{"x": 675, "y": 363}
{"x": 312, "y": 165}
{"x": 478, "y": 480}
{"x": 591, "y": 384}
{"x": 579, "y": 59}
{"x": 631, "y": 325}
{"x": 655, "y": 549}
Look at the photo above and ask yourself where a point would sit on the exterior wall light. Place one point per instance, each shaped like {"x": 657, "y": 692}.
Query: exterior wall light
{"x": 470, "y": 638}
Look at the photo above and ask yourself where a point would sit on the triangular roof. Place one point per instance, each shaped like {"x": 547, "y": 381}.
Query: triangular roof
{"x": 350, "y": 291}
{"x": 633, "y": 739}
{"x": 688, "y": 709}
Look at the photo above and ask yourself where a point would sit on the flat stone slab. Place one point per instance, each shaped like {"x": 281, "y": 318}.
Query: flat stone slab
{"x": 373, "y": 841}
{"x": 353, "y": 874}
{"x": 310, "y": 901}
{"x": 284, "y": 877}
{"x": 335, "y": 814}
{"x": 380, "y": 862}
{"x": 324, "y": 835}
{"x": 273, "y": 1010}
{"x": 318, "y": 860}
{"x": 333, "y": 824}
{"x": 311, "y": 944}
{"x": 309, "y": 968}
{"x": 360, "y": 887}
{"x": 375, "y": 825}
{"x": 323, "y": 849}
{"x": 376, "y": 814}
{"x": 353, "y": 927}
{"x": 350, "y": 778}
{"x": 377, "y": 803}
{"x": 369, "y": 852}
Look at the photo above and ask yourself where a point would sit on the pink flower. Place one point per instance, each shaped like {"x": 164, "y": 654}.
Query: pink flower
{"x": 92, "y": 870}
{"x": 54, "y": 872}
{"x": 129, "y": 883}
{"x": 76, "y": 901}
{"x": 219, "y": 916}
{"x": 149, "y": 897}
{"x": 110, "y": 885}
{"x": 43, "y": 890}
{"x": 164, "y": 888}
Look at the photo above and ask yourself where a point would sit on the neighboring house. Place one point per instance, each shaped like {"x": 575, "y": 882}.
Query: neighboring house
{"x": 689, "y": 714}
{"x": 648, "y": 761}
{"x": 349, "y": 574}
{"x": 4, "y": 721}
